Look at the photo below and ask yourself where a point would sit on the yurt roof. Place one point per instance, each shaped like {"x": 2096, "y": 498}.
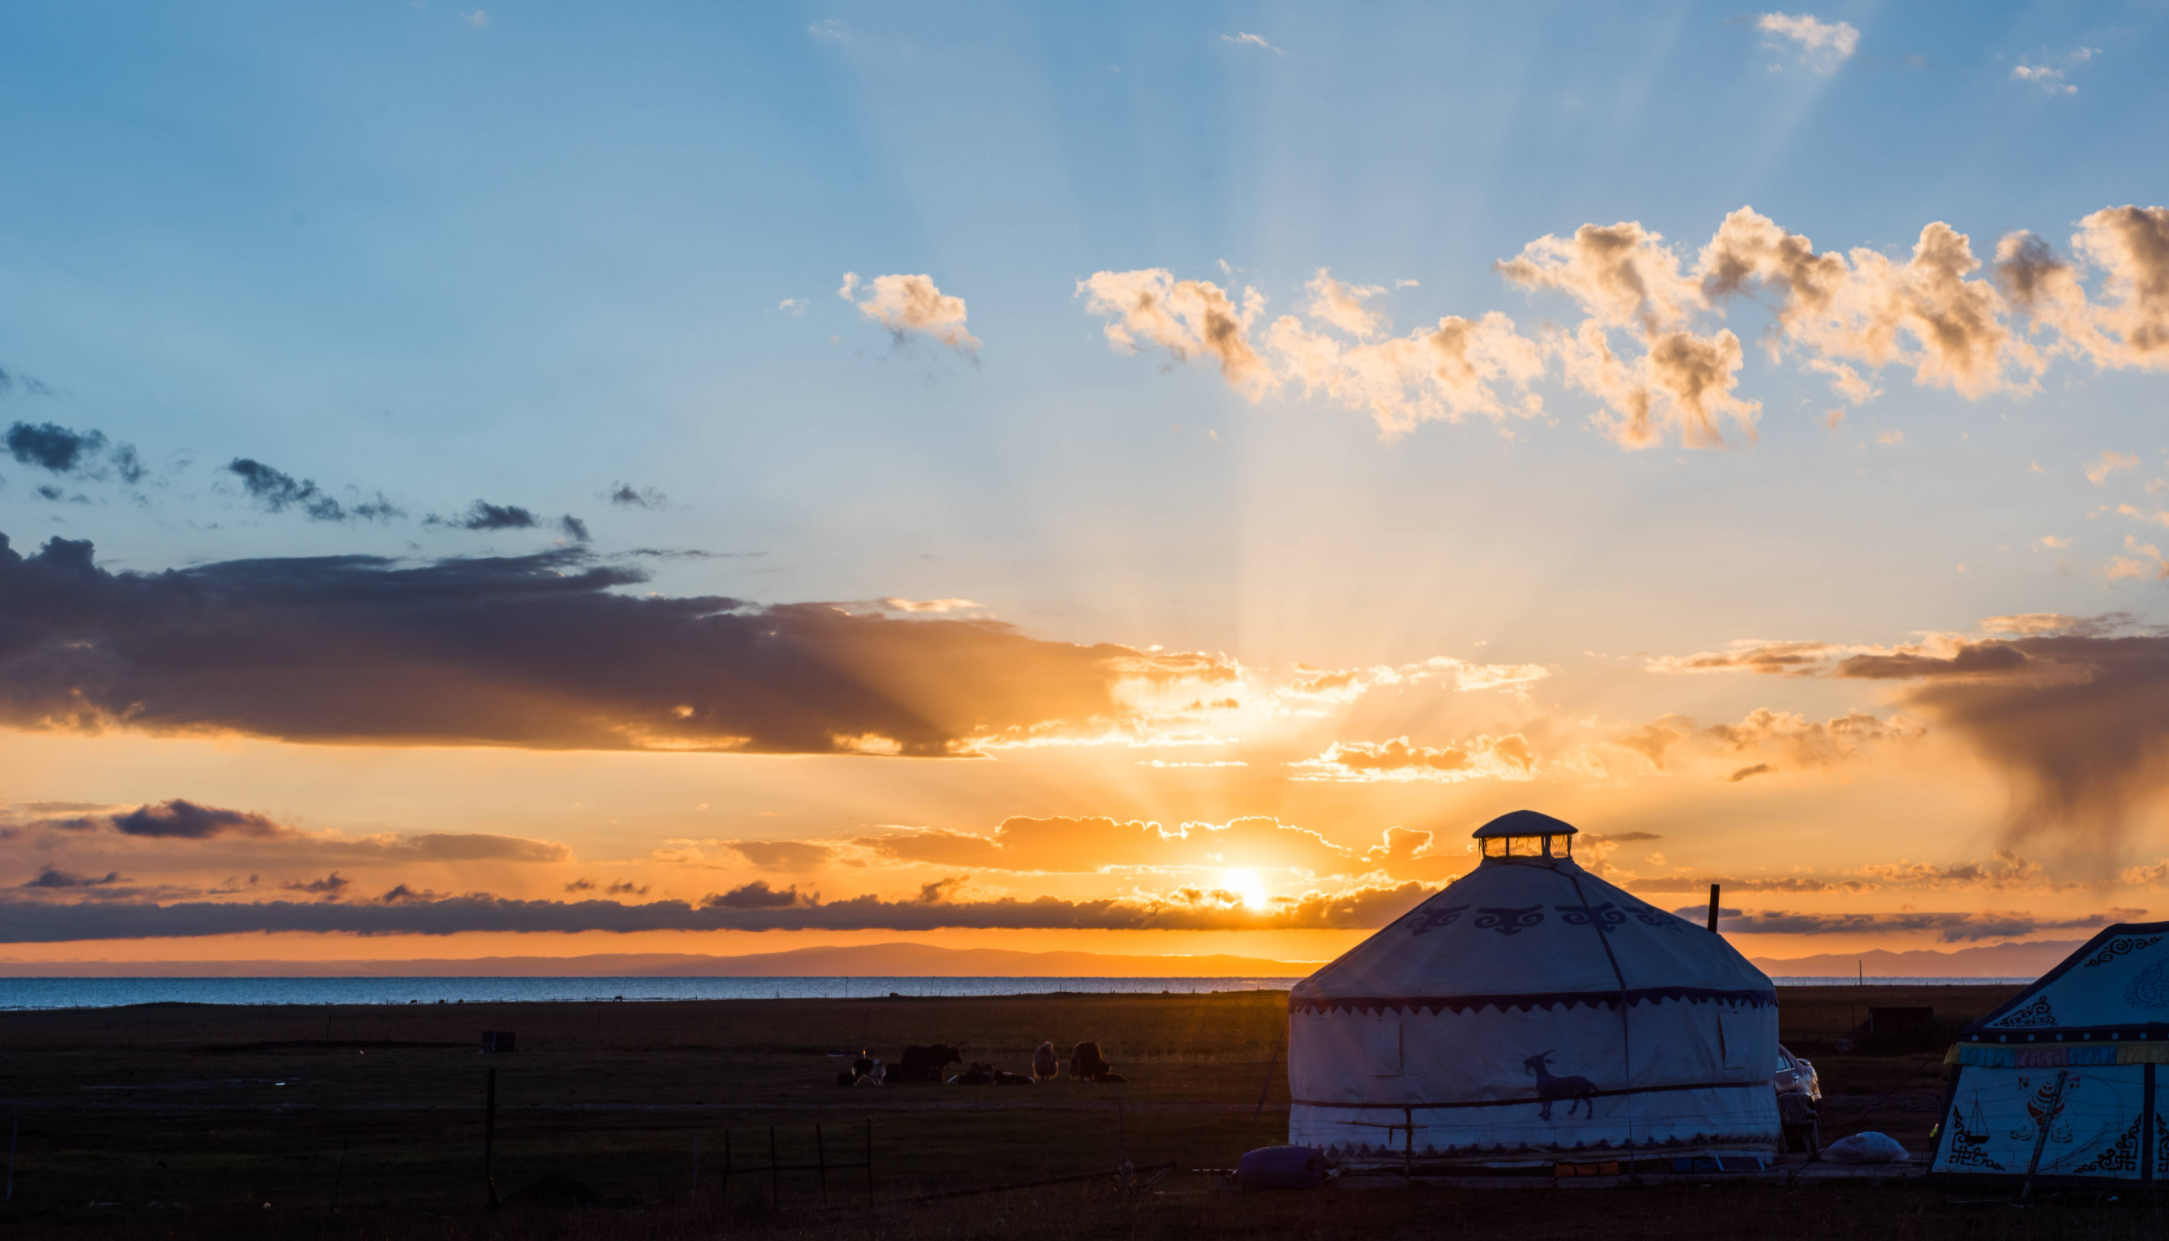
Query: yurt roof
{"x": 2115, "y": 987}
{"x": 1524, "y": 823}
{"x": 1527, "y": 932}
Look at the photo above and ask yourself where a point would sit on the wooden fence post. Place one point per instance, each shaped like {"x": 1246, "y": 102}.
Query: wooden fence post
{"x": 489, "y": 1138}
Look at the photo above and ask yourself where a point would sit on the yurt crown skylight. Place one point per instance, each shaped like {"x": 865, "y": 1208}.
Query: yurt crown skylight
{"x": 1526, "y": 833}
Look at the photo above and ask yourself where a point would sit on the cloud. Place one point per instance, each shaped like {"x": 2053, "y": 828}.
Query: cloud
{"x": 1246, "y": 39}
{"x": 1086, "y": 845}
{"x": 928, "y": 605}
{"x": 788, "y": 856}
{"x": 50, "y": 446}
{"x": 2131, "y": 245}
{"x": 1796, "y": 739}
{"x": 2050, "y": 77}
{"x": 482, "y": 515}
{"x": 403, "y": 911}
{"x": 186, "y": 820}
{"x": 2159, "y": 517}
{"x": 1458, "y": 368}
{"x": 1822, "y": 46}
{"x": 829, "y": 29}
{"x": 1750, "y": 655}
{"x": 1484, "y": 757}
{"x": 792, "y": 305}
{"x": 50, "y": 878}
{"x": 2074, "y": 714}
{"x": 2110, "y": 463}
{"x": 277, "y": 491}
{"x": 30, "y": 385}
{"x": 755, "y": 895}
{"x": 181, "y": 819}
{"x": 2047, "y": 78}
{"x": 53, "y": 447}
{"x": 911, "y": 304}
{"x": 540, "y": 652}
{"x": 573, "y": 528}
{"x": 477, "y": 19}
{"x": 625, "y": 495}
{"x": 332, "y": 886}
{"x": 1925, "y": 312}
{"x": 1950, "y": 928}
{"x": 2145, "y": 560}
{"x": 1187, "y": 318}
{"x": 1645, "y": 347}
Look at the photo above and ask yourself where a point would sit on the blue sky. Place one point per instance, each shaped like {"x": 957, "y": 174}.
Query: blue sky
{"x": 526, "y": 254}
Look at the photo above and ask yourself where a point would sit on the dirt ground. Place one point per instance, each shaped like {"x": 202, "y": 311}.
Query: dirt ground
{"x": 186, "y": 1120}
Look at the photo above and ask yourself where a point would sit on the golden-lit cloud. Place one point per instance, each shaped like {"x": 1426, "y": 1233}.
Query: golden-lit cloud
{"x": 1479, "y": 758}
{"x": 2110, "y": 462}
{"x": 1086, "y": 845}
{"x": 907, "y": 305}
{"x": 1793, "y": 739}
{"x": 1819, "y": 45}
{"x": 2073, "y": 713}
{"x": 1645, "y": 346}
{"x": 1187, "y": 318}
{"x": 541, "y": 652}
{"x": 1928, "y": 312}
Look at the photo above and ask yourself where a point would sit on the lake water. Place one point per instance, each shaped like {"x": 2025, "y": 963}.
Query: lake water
{"x": 21, "y": 993}
{"x": 28, "y": 993}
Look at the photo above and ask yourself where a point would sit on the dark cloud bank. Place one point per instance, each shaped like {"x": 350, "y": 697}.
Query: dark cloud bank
{"x": 755, "y": 907}
{"x": 534, "y": 651}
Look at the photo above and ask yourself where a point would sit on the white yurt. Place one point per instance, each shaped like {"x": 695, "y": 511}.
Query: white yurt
{"x": 2059, "y": 1083}
{"x": 1532, "y": 1013}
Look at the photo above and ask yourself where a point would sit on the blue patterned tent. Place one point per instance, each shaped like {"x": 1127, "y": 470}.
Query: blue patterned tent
{"x": 2059, "y": 1082}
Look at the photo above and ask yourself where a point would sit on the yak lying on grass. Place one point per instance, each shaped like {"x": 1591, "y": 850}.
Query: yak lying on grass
{"x": 924, "y": 1064}
{"x": 1087, "y": 1065}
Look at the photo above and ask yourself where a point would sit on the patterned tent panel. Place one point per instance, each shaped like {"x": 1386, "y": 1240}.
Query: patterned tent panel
{"x": 2118, "y": 983}
{"x": 2085, "y": 1123}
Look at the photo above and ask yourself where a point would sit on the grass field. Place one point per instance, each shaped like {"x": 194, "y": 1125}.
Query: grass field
{"x": 189, "y": 1121}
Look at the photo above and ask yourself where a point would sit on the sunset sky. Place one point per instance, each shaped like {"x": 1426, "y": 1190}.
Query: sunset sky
{"x": 1132, "y": 478}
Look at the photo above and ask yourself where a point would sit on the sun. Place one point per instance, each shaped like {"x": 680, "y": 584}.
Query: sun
{"x": 1244, "y": 883}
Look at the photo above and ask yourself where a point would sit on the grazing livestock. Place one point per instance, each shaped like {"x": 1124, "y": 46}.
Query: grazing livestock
{"x": 1580, "y": 1091}
{"x": 1087, "y": 1065}
{"x": 977, "y": 1075}
{"x": 864, "y": 1071}
{"x": 1003, "y": 1077}
{"x": 1046, "y": 1066}
{"x": 924, "y": 1064}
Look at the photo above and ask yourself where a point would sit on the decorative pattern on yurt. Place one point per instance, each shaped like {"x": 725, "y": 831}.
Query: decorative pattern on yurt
{"x": 1532, "y": 1011}
{"x": 2060, "y": 1082}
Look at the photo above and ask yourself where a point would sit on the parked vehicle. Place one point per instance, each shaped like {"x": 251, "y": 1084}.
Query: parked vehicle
{"x": 1796, "y": 1076}
{"x": 1799, "y": 1087}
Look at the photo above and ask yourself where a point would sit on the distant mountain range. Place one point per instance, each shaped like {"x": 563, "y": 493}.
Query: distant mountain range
{"x": 854, "y": 961}
{"x": 907, "y": 960}
{"x": 2027, "y": 960}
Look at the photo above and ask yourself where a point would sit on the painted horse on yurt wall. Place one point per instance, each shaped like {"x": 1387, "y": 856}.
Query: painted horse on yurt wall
{"x": 1577, "y": 1090}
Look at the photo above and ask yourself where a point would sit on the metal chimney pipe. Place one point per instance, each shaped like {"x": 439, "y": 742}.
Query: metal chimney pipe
{"x": 1713, "y": 909}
